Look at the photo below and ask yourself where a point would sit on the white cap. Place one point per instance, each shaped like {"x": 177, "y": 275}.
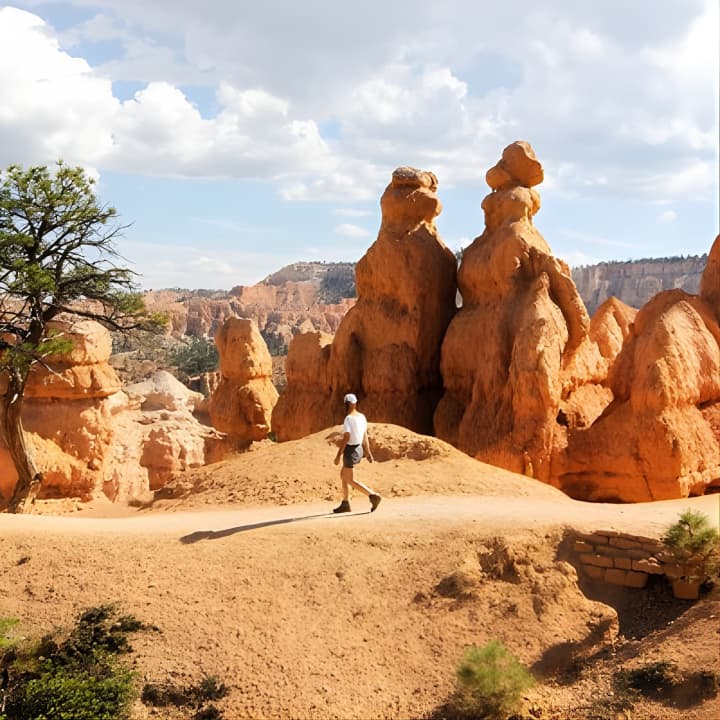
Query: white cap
{"x": 350, "y": 398}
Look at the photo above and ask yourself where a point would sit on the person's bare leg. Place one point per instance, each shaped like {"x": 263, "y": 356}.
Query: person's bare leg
{"x": 348, "y": 479}
{"x": 346, "y": 476}
{"x": 360, "y": 486}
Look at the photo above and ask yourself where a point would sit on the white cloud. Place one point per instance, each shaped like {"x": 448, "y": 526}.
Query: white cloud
{"x": 668, "y": 216}
{"x": 160, "y": 131}
{"x": 576, "y": 258}
{"x": 206, "y": 264}
{"x": 630, "y": 107}
{"x": 53, "y": 105}
{"x": 352, "y": 180}
{"x": 351, "y": 231}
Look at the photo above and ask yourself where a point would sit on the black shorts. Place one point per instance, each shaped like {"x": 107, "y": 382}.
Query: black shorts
{"x": 352, "y": 455}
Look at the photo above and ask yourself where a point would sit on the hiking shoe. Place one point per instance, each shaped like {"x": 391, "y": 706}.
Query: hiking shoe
{"x": 344, "y": 506}
{"x": 374, "y": 502}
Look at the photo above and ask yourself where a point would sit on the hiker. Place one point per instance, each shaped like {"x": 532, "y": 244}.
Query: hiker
{"x": 355, "y": 440}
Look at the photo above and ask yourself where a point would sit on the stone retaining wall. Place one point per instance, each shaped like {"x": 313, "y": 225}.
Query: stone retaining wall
{"x": 620, "y": 559}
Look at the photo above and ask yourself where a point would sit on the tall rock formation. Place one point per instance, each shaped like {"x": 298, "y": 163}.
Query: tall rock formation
{"x": 242, "y": 403}
{"x": 519, "y": 348}
{"x": 660, "y": 437}
{"x": 387, "y": 348}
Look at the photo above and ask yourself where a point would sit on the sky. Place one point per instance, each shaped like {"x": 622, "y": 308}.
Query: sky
{"x": 235, "y": 137}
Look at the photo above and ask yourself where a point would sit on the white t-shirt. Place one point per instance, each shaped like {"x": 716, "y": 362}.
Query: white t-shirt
{"x": 356, "y": 425}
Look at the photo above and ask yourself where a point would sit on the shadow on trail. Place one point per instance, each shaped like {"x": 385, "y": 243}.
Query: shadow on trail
{"x": 215, "y": 534}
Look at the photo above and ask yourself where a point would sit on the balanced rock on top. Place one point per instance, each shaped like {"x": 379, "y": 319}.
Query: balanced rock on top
{"x": 519, "y": 347}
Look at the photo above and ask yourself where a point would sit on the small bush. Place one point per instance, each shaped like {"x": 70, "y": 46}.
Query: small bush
{"x": 663, "y": 681}
{"x": 72, "y": 677}
{"x": 211, "y": 712}
{"x": 651, "y": 680}
{"x": 692, "y": 533}
{"x": 196, "y": 356}
{"x": 210, "y": 688}
{"x": 166, "y": 694}
{"x": 490, "y": 683}
{"x": 695, "y": 542}
{"x": 71, "y": 693}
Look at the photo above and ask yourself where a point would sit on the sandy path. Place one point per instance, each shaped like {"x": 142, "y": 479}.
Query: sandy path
{"x": 494, "y": 513}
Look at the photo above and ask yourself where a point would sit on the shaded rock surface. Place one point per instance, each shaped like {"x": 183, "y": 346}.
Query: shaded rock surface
{"x": 304, "y": 407}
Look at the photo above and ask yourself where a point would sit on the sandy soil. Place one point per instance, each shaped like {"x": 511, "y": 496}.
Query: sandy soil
{"x": 305, "y": 614}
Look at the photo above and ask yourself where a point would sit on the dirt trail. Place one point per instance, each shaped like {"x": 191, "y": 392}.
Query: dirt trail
{"x": 496, "y": 514}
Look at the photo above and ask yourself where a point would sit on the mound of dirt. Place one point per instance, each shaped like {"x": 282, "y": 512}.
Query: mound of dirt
{"x": 301, "y": 471}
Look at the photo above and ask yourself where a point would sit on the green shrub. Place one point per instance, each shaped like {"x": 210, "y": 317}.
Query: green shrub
{"x": 75, "y": 676}
{"x": 692, "y": 532}
{"x": 663, "y": 680}
{"x": 694, "y": 541}
{"x": 70, "y": 693}
{"x": 652, "y": 679}
{"x": 490, "y": 682}
{"x": 208, "y": 713}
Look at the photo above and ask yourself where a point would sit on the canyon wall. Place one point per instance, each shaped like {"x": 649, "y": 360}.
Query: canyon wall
{"x": 303, "y": 297}
{"x": 636, "y": 281}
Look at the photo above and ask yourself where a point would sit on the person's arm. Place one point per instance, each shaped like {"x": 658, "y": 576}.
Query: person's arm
{"x": 341, "y": 447}
{"x": 366, "y": 448}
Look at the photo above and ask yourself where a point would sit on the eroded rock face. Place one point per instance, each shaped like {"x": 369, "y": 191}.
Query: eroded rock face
{"x": 66, "y": 411}
{"x": 387, "y": 348}
{"x": 89, "y": 437}
{"x": 305, "y": 405}
{"x": 163, "y": 391}
{"x": 83, "y": 372}
{"x": 314, "y": 295}
{"x": 243, "y": 401}
{"x": 657, "y": 439}
{"x": 519, "y": 346}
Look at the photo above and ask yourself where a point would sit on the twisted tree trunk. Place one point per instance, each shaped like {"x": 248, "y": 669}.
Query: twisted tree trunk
{"x": 29, "y": 479}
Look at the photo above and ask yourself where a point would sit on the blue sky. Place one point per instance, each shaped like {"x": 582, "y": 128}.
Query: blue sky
{"x": 238, "y": 137}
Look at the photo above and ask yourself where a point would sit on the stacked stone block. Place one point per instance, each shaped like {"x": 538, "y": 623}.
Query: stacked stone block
{"x": 621, "y": 559}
